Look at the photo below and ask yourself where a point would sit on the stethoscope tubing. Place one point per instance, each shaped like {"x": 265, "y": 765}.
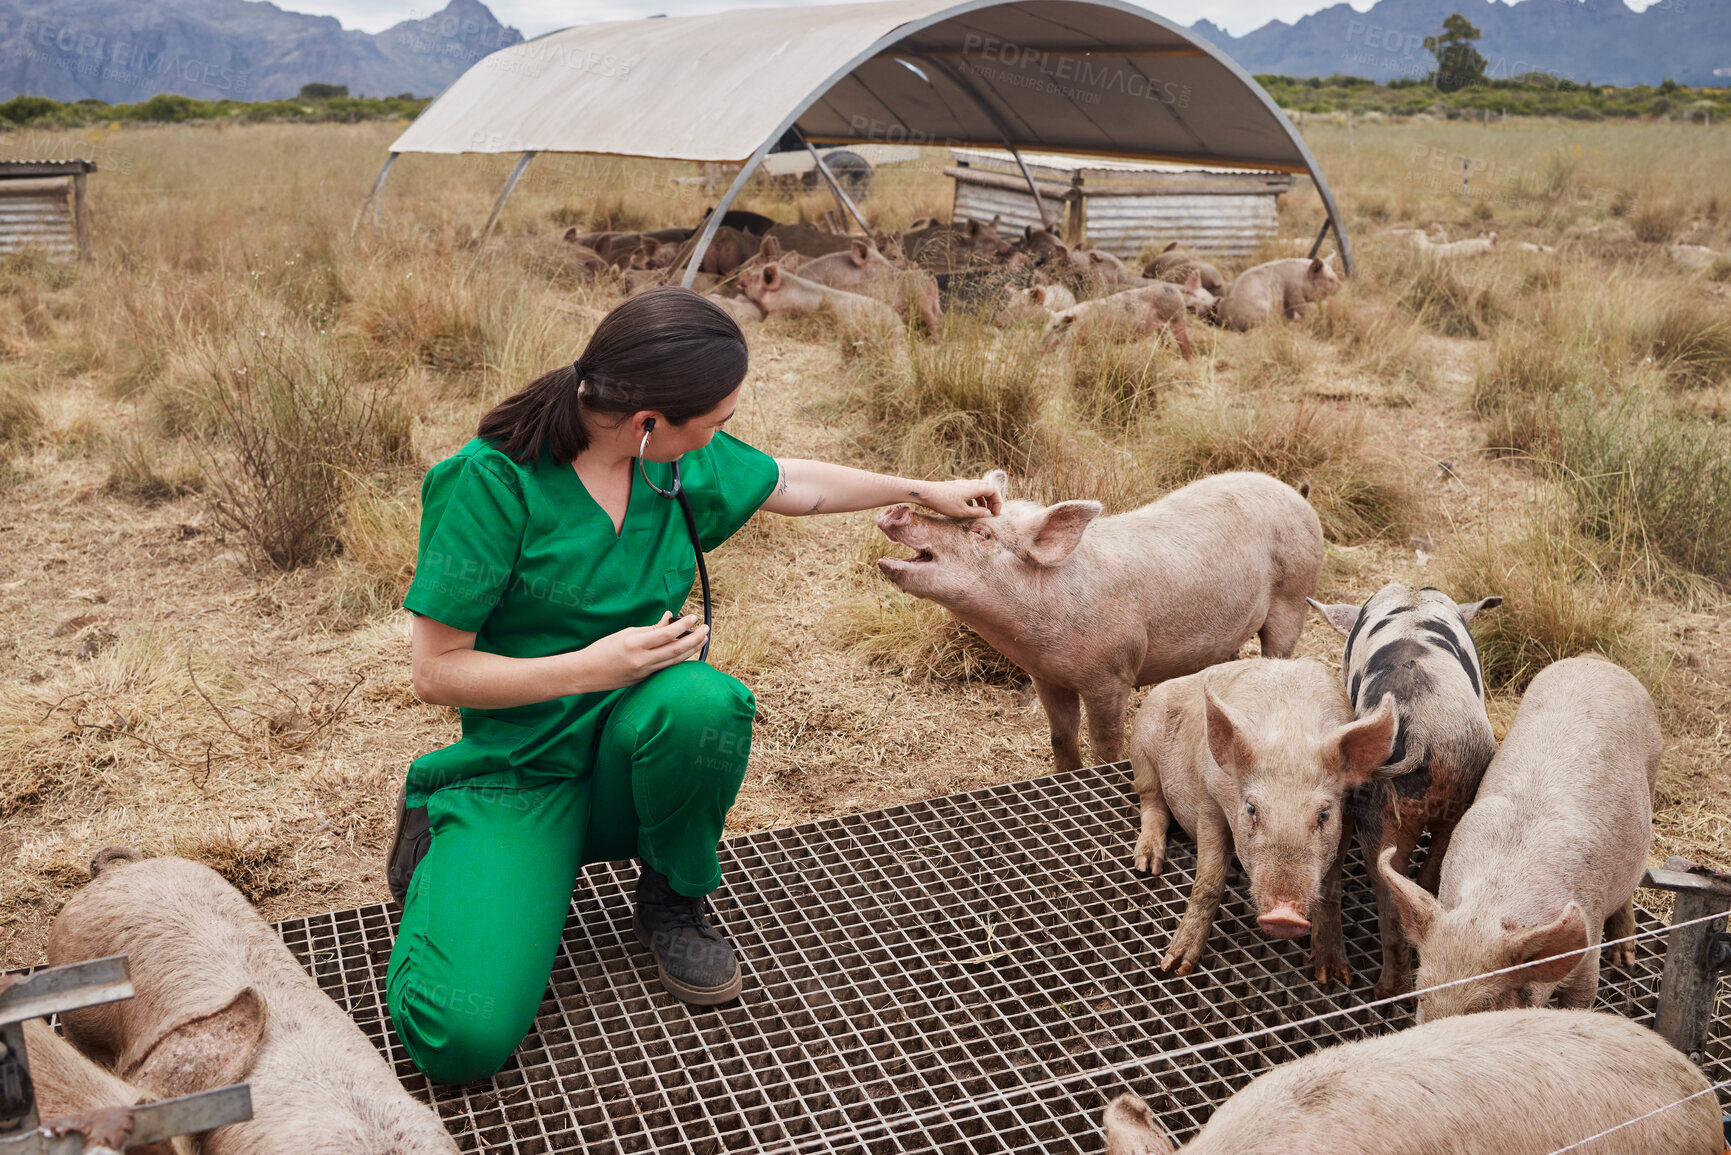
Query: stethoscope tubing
{"x": 677, "y": 493}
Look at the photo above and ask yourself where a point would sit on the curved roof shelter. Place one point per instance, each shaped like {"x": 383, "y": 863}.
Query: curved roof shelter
{"x": 1089, "y": 77}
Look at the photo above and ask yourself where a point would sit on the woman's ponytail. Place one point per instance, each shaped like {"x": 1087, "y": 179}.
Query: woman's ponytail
{"x": 667, "y": 349}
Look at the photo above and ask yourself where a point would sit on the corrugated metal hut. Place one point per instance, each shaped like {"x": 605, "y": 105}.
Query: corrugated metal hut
{"x": 1123, "y": 207}
{"x": 43, "y": 207}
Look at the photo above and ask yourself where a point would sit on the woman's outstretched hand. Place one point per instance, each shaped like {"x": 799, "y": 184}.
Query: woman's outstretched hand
{"x": 969, "y": 497}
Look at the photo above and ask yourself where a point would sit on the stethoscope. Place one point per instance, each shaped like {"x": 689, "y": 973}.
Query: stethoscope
{"x": 677, "y": 493}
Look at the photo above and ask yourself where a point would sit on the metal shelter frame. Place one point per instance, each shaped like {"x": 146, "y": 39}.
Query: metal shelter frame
{"x": 961, "y": 73}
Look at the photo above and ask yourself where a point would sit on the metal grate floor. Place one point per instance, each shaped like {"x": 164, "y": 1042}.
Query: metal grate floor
{"x": 898, "y": 966}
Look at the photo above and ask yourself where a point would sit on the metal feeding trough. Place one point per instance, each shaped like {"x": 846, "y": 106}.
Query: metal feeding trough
{"x": 967, "y": 974}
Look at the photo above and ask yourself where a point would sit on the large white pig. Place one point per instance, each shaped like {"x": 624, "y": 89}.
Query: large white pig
{"x": 1548, "y": 855}
{"x": 1092, "y": 607}
{"x": 218, "y": 1000}
{"x": 1513, "y": 1083}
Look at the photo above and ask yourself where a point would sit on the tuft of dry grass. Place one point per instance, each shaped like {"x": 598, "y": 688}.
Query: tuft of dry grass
{"x": 1357, "y": 493}
{"x": 1651, "y": 484}
{"x": 1657, "y": 220}
{"x": 1456, "y": 300}
{"x": 1116, "y": 384}
{"x": 965, "y": 403}
{"x": 1518, "y": 395}
{"x": 21, "y": 418}
{"x": 379, "y": 531}
{"x": 917, "y": 639}
{"x": 1559, "y": 599}
{"x": 1691, "y": 340}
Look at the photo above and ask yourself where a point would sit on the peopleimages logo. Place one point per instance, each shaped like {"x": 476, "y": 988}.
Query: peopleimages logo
{"x": 85, "y": 53}
{"x": 1078, "y": 77}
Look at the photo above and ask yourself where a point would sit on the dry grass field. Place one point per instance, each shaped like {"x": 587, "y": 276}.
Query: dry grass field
{"x": 212, "y": 438}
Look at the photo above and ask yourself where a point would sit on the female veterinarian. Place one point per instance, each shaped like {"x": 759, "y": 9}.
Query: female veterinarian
{"x": 554, "y": 552}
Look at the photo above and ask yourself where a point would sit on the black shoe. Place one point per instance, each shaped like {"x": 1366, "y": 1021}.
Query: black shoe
{"x": 696, "y": 963}
{"x": 408, "y": 846}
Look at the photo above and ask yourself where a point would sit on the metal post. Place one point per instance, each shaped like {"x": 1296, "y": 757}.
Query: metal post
{"x": 1316, "y": 247}
{"x": 841, "y": 197}
{"x": 1694, "y": 955}
{"x": 504, "y": 194}
{"x": 963, "y": 82}
{"x": 66, "y": 988}
{"x": 376, "y": 195}
{"x": 81, "y": 215}
{"x": 1039, "y": 205}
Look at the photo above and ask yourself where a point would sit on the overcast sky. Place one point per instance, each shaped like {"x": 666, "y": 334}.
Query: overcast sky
{"x": 533, "y": 17}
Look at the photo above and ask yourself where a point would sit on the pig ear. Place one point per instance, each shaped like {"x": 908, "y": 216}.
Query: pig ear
{"x": 1225, "y": 728}
{"x": 1170, "y": 245}
{"x": 769, "y": 250}
{"x": 1367, "y": 743}
{"x": 1060, "y": 530}
{"x": 861, "y": 251}
{"x": 771, "y": 276}
{"x": 1037, "y": 295}
{"x": 202, "y": 1051}
{"x": 571, "y": 234}
{"x": 1061, "y": 249}
{"x": 1537, "y": 946}
{"x": 1416, "y": 906}
{"x": 1470, "y": 609}
{"x": 1342, "y": 618}
{"x": 1316, "y": 266}
{"x": 998, "y": 479}
{"x": 1130, "y": 1129}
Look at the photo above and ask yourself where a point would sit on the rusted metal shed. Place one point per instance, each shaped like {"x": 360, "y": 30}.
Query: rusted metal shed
{"x": 43, "y": 206}
{"x": 1123, "y": 207}
{"x": 1101, "y": 78}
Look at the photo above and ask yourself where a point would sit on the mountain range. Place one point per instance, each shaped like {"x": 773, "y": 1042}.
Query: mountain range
{"x": 1586, "y": 41}
{"x": 123, "y": 51}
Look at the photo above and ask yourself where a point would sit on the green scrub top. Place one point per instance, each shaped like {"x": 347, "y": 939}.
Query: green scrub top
{"x": 529, "y": 562}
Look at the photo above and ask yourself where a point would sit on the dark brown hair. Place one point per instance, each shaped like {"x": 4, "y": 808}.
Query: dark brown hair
{"x": 667, "y": 349}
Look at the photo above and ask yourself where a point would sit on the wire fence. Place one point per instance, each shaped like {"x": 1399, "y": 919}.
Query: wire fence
{"x": 981, "y": 1104}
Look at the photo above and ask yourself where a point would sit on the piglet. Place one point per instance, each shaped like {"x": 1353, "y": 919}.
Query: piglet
{"x": 1289, "y": 287}
{"x": 1548, "y": 854}
{"x": 1519, "y": 1082}
{"x": 219, "y": 999}
{"x": 866, "y": 271}
{"x": 1127, "y": 316}
{"x": 1175, "y": 264}
{"x": 67, "y": 1083}
{"x": 778, "y": 292}
{"x": 1257, "y": 756}
{"x": 1093, "y": 606}
{"x": 1414, "y": 644}
{"x": 1035, "y": 303}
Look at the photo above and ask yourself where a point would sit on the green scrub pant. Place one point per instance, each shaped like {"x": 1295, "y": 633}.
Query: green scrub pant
{"x": 485, "y": 908}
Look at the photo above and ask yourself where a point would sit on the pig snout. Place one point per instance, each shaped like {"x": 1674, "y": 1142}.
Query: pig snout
{"x": 894, "y": 518}
{"x": 1283, "y": 920}
{"x": 901, "y": 527}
